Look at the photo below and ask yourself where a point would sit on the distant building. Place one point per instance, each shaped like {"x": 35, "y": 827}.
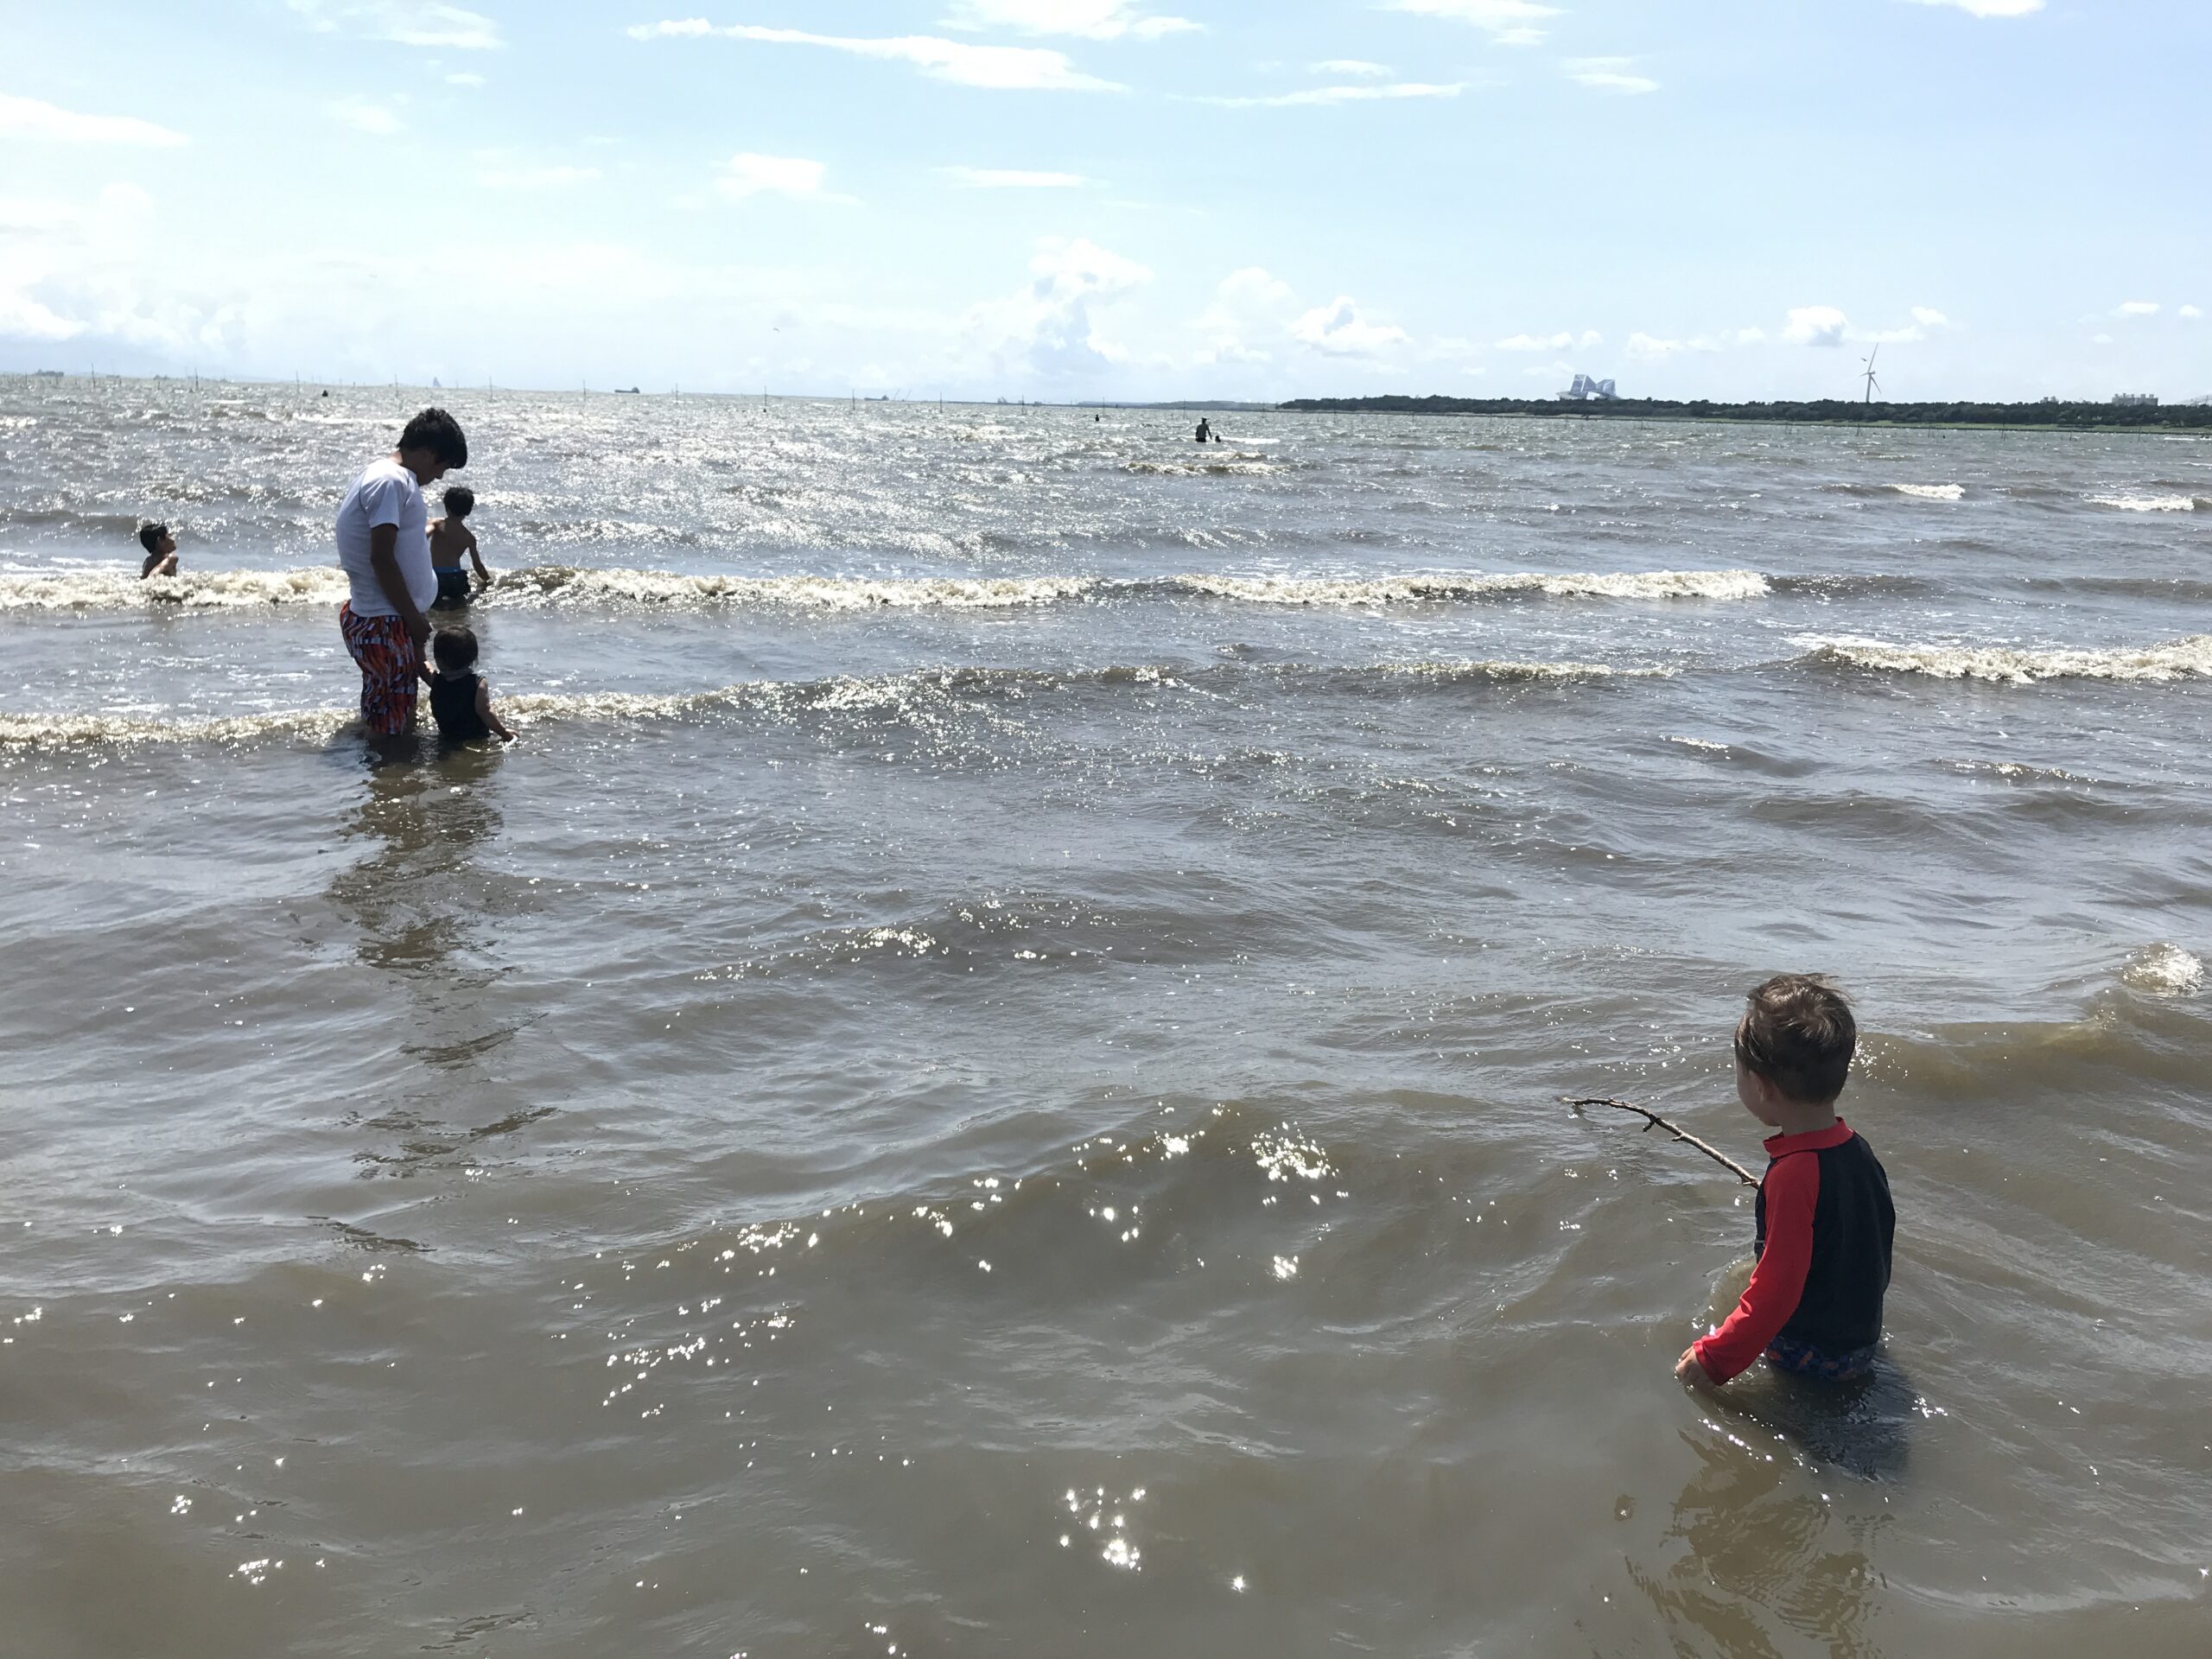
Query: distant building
{"x": 1585, "y": 390}
{"x": 2135, "y": 399}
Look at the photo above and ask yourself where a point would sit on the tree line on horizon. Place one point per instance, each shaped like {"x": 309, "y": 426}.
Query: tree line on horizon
{"x": 1832, "y": 409}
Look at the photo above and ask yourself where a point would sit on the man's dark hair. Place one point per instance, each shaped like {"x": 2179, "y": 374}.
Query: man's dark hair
{"x": 1798, "y": 1034}
{"x": 455, "y": 649}
{"x": 149, "y": 536}
{"x": 461, "y": 502}
{"x": 439, "y": 433}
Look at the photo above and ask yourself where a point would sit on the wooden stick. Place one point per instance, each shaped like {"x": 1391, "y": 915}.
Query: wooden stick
{"x": 1654, "y": 1120}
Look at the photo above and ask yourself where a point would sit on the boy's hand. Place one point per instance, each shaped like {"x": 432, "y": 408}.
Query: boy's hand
{"x": 1687, "y": 1369}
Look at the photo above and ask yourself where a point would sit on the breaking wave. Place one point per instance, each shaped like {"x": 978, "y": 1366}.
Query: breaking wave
{"x": 2163, "y": 970}
{"x": 2184, "y": 659}
{"x": 2147, "y": 502}
{"x": 553, "y": 585}
{"x": 1398, "y": 590}
{"x": 1932, "y": 491}
{"x": 929, "y": 698}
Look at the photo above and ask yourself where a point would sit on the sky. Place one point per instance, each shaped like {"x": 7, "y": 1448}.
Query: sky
{"x": 1072, "y": 200}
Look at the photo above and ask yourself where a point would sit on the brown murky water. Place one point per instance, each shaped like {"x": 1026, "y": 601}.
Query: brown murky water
{"x": 983, "y": 1080}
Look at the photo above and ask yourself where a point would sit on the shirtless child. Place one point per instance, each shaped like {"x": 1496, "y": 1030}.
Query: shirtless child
{"x": 450, "y": 539}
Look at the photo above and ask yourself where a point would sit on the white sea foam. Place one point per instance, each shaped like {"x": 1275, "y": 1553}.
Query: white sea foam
{"x": 1398, "y": 590}
{"x": 1932, "y": 491}
{"x": 1480, "y": 670}
{"x": 2147, "y": 502}
{"x": 2181, "y": 659}
{"x": 2163, "y": 970}
{"x": 192, "y": 589}
{"x": 555, "y": 584}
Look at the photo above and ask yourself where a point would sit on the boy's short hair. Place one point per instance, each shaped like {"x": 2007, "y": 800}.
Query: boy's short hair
{"x": 149, "y": 536}
{"x": 439, "y": 433}
{"x": 455, "y": 649}
{"x": 1798, "y": 1034}
{"x": 461, "y": 502}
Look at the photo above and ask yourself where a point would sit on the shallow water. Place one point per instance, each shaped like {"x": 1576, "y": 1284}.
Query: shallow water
{"x": 984, "y": 1079}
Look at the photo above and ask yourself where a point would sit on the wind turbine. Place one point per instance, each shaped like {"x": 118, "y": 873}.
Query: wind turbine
{"x": 1873, "y": 385}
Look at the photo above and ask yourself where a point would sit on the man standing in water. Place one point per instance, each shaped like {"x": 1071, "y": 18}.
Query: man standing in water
{"x": 383, "y": 547}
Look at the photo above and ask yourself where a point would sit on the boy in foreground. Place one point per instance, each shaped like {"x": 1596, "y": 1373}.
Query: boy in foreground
{"x": 1813, "y": 1305}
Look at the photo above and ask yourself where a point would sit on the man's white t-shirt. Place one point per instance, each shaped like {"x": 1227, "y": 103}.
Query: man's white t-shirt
{"x": 386, "y": 493}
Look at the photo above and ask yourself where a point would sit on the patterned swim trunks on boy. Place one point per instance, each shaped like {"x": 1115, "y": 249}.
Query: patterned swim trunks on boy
{"x": 388, "y": 659}
{"x": 1802, "y": 1359}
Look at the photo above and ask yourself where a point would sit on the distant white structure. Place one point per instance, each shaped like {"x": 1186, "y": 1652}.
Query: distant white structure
{"x": 2135, "y": 399}
{"x": 1585, "y": 390}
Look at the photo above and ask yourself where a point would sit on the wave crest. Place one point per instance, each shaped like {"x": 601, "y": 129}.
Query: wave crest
{"x": 2184, "y": 658}
{"x": 1400, "y": 590}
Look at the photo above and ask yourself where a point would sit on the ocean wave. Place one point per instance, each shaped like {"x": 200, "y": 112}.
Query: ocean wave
{"x": 191, "y": 590}
{"x": 555, "y": 585}
{"x": 2147, "y": 502}
{"x": 1932, "y": 491}
{"x": 1398, "y": 590}
{"x": 932, "y": 699}
{"x": 2162, "y": 969}
{"x": 2182, "y": 658}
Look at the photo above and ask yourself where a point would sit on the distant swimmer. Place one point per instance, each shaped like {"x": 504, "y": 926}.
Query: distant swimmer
{"x": 450, "y": 539}
{"x": 160, "y": 551}
{"x": 1205, "y": 431}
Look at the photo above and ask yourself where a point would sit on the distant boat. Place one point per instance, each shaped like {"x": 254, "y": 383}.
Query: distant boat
{"x": 626, "y": 391}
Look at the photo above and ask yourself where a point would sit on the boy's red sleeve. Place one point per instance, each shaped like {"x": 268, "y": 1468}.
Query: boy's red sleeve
{"x": 1792, "y": 1188}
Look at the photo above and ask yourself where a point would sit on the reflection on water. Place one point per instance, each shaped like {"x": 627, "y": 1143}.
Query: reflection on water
{"x": 1757, "y": 1562}
{"x": 428, "y": 904}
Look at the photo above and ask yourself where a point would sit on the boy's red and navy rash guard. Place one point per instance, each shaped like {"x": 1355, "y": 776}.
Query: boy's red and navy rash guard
{"x": 1825, "y": 1224}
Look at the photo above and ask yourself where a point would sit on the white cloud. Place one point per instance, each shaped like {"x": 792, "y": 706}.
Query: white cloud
{"x": 1339, "y": 329}
{"x": 1351, "y": 66}
{"x": 1509, "y": 21}
{"x": 2191, "y": 314}
{"x": 464, "y": 79}
{"x": 407, "y": 22}
{"x": 2137, "y": 308}
{"x": 1815, "y": 325}
{"x": 749, "y": 175}
{"x": 1047, "y": 327}
{"x": 1929, "y": 318}
{"x": 536, "y": 178}
{"x": 27, "y": 117}
{"x": 1001, "y": 68}
{"x": 997, "y": 178}
{"x": 1247, "y": 303}
{"x": 1092, "y": 20}
{"x": 2099, "y": 339}
{"x": 1560, "y": 342}
{"x": 1341, "y": 95}
{"x": 363, "y": 117}
{"x": 1609, "y": 75}
{"x": 1644, "y": 346}
{"x": 1989, "y": 8}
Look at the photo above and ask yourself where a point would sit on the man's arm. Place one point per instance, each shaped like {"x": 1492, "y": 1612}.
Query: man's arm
{"x": 384, "y": 559}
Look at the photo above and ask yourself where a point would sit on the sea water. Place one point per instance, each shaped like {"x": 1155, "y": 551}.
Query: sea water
{"x": 984, "y": 1079}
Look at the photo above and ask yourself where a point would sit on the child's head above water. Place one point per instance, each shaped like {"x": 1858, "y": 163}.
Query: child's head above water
{"x": 150, "y": 537}
{"x": 461, "y": 502}
{"x": 1797, "y": 1034}
{"x": 454, "y": 650}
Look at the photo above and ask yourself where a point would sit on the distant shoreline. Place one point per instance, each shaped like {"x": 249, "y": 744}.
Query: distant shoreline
{"x": 1957, "y": 417}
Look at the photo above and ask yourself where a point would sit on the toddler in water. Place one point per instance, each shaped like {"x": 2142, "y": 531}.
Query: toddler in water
{"x": 160, "y": 551}
{"x": 450, "y": 539}
{"x": 461, "y": 701}
{"x": 1813, "y": 1305}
